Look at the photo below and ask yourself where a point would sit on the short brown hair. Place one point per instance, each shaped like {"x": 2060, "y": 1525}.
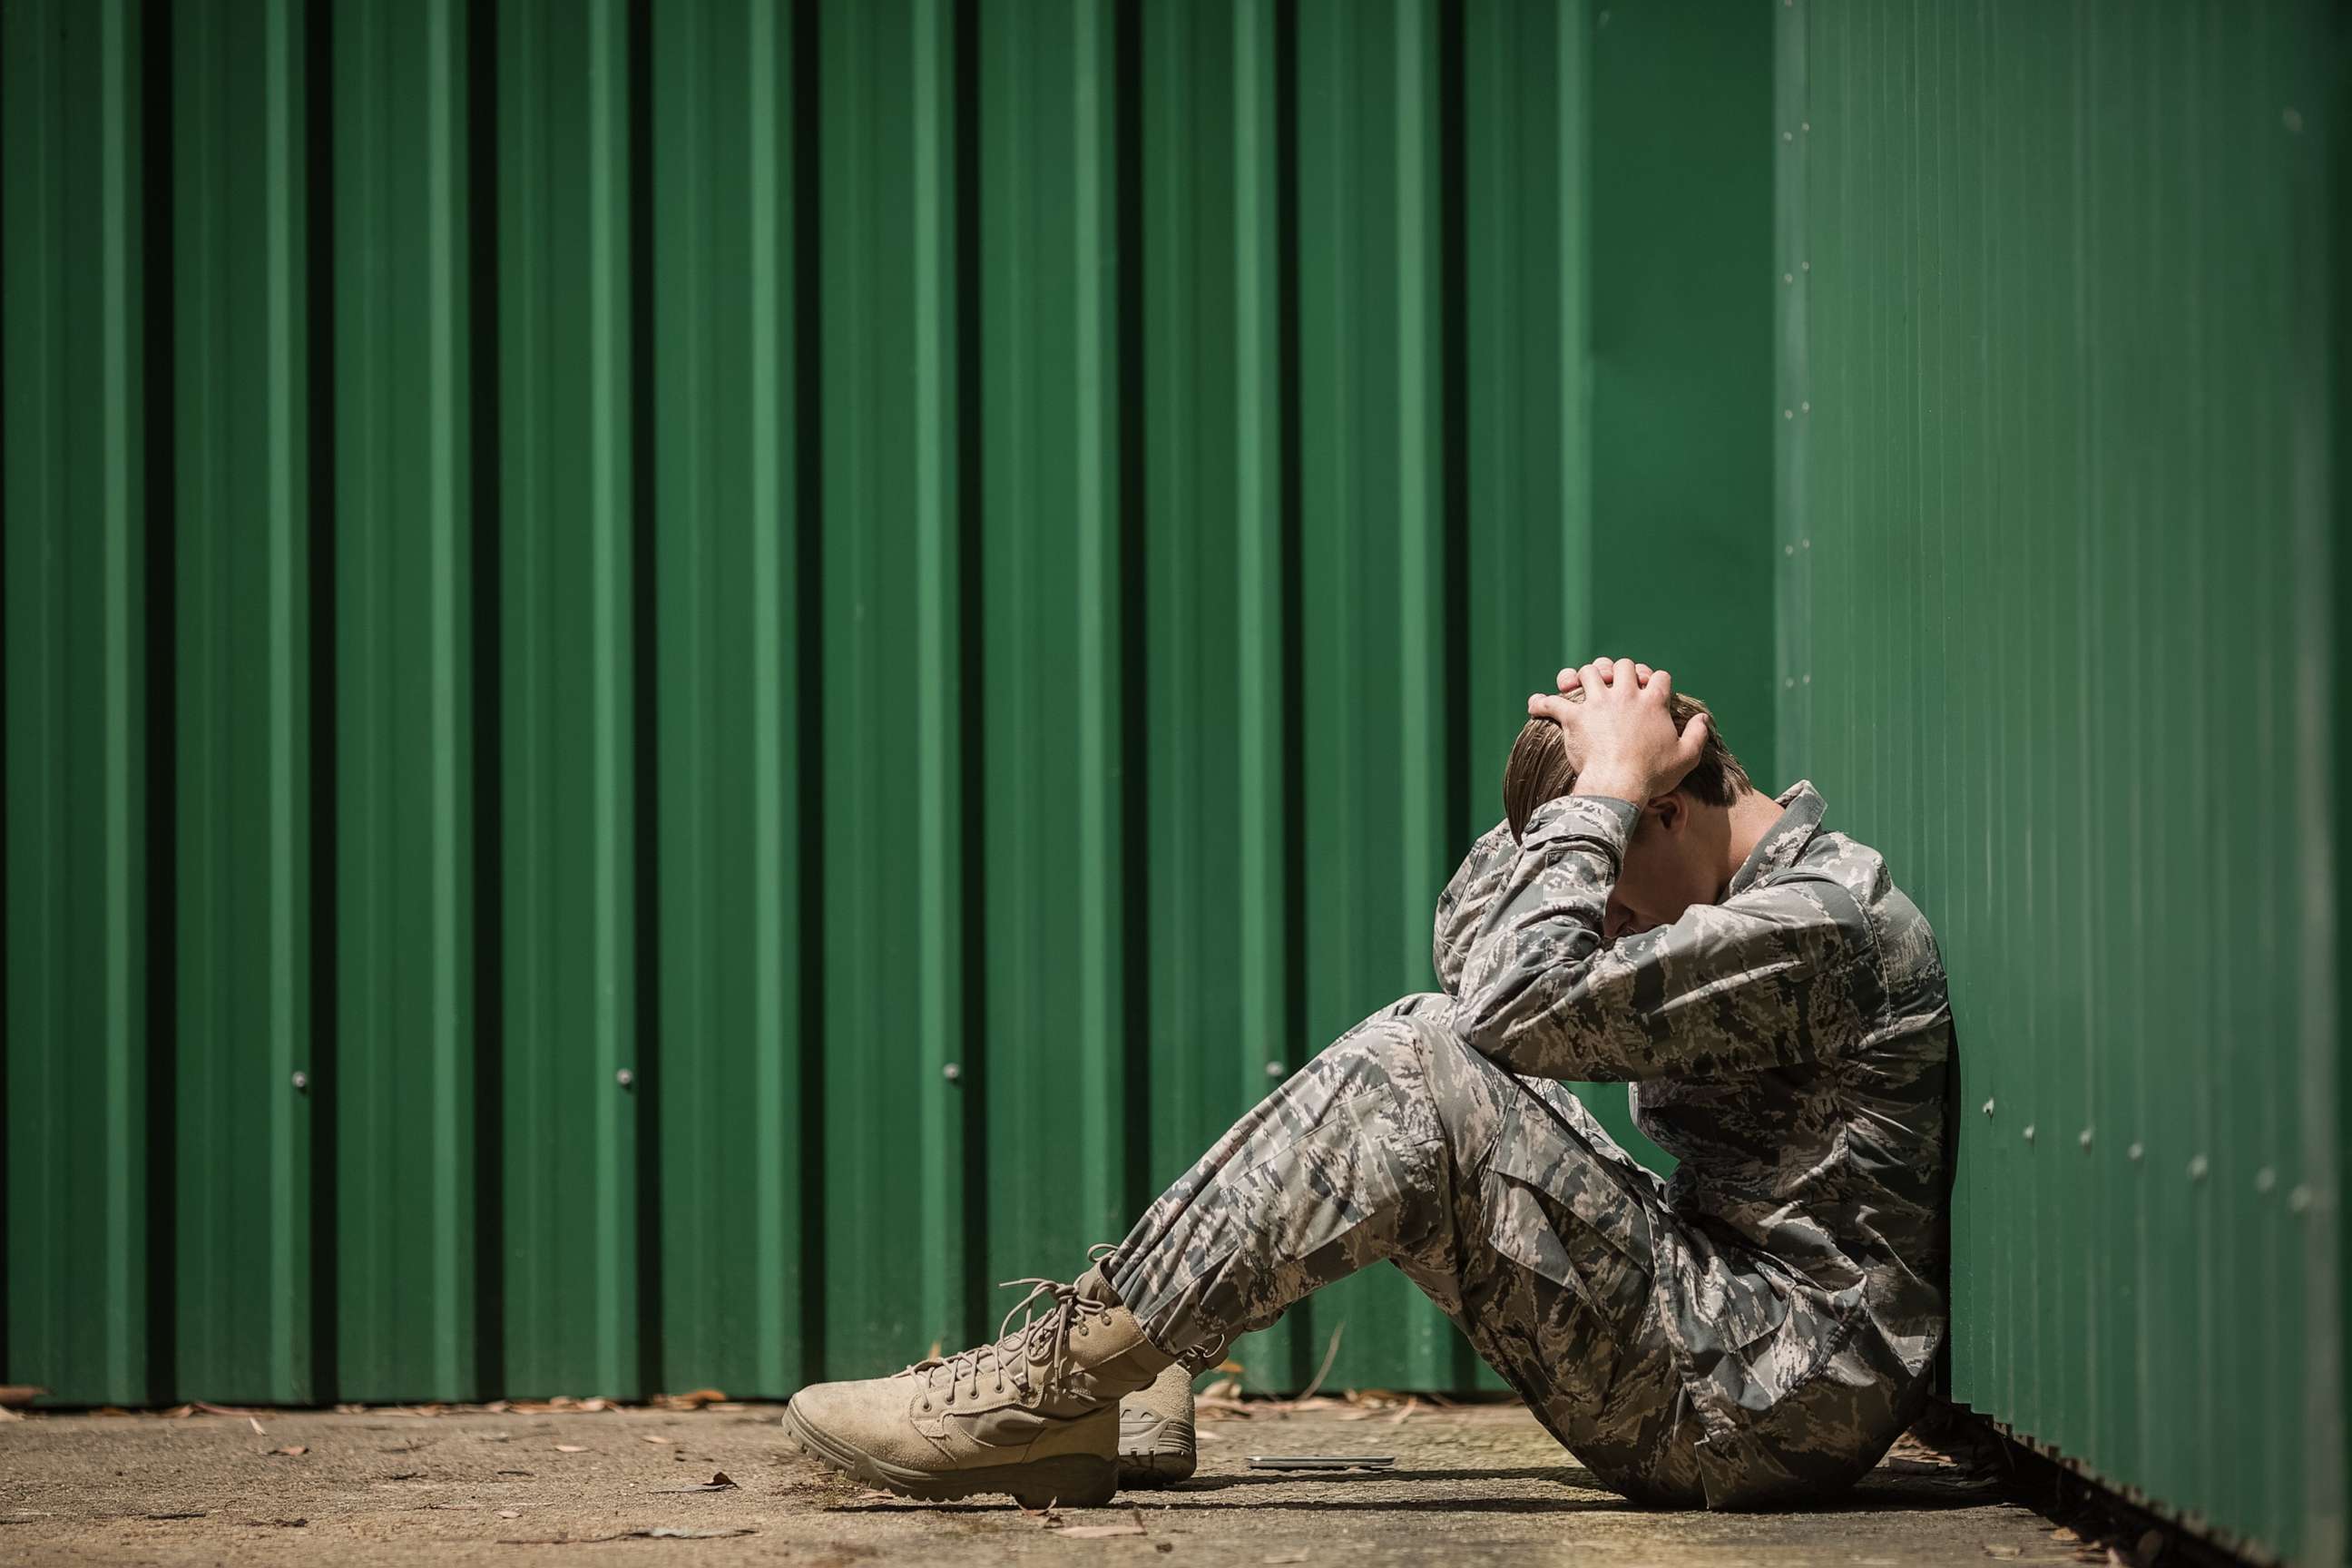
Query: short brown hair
{"x": 1539, "y": 771}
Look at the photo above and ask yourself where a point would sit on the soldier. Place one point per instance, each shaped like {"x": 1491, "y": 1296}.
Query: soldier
{"x": 1756, "y": 1331}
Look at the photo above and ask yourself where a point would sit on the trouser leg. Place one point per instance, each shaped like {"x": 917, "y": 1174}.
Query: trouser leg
{"x": 1500, "y": 1198}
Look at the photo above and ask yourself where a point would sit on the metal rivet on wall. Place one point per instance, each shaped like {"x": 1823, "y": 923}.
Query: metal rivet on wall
{"x": 1987, "y": 1108}
{"x": 1787, "y": 136}
{"x": 624, "y": 1077}
{"x": 2028, "y": 1132}
{"x": 2134, "y": 1152}
{"x": 2198, "y": 1166}
{"x": 301, "y": 1081}
{"x": 1789, "y": 681}
{"x": 1787, "y": 413}
{"x": 1788, "y": 278}
{"x": 1804, "y": 544}
{"x": 2084, "y": 1138}
{"x": 952, "y": 1072}
{"x": 1805, "y": 125}
{"x": 2266, "y": 1179}
{"x": 1804, "y": 266}
{"x": 1805, "y": 407}
{"x": 2293, "y": 120}
{"x": 2299, "y": 1199}
{"x": 1273, "y": 1069}
{"x": 1788, "y": 550}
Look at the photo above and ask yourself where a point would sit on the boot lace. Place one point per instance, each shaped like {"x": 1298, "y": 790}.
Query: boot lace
{"x": 1034, "y": 1358}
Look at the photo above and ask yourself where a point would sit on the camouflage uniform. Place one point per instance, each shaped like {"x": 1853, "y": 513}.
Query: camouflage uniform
{"x": 1756, "y": 1330}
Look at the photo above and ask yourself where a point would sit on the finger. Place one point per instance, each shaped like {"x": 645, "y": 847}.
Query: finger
{"x": 1645, "y": 671}
{"x": 1661, "y": 686}
{"x": 1596, "y": 675}
{"x": 1624, "y": 675}
{"x": 1544, "y": 705}
{"x": 1694, "y": 742}
{"x": 1569, "y": 679}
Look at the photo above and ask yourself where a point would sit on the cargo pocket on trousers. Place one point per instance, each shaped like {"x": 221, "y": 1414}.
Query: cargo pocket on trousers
{"x": 1574, "y": 1280}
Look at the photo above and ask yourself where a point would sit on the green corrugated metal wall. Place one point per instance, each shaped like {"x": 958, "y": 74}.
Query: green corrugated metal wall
{"x": 684, "y": 679}
{"x": 2055, "y": 522}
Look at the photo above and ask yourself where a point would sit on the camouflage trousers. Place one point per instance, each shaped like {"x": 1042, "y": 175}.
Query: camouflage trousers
{"x": 1499, "y": 1196}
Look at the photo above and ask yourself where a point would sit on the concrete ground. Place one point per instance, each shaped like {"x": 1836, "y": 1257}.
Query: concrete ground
{"x": 522, "y": 1485}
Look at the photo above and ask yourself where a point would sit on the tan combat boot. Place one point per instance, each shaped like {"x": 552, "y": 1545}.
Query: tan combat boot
{"x": 1035, "y": 1413}
{"x": 1156, "y": 1443}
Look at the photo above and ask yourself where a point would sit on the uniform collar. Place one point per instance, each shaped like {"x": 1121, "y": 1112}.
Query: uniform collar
{"x": 1801, "y": 818}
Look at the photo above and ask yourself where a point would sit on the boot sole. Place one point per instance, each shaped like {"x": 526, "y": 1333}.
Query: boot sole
{"x": 1162, "y": 1453}
{"x": 1072, "y": 1480}
{"x": 1145, "y": 1471}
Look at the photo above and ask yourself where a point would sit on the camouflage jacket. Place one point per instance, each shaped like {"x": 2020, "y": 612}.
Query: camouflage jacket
{"x": 1791, "y": 1047}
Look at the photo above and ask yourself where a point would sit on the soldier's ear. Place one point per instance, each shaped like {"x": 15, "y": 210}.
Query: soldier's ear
{"x": 1671, "y": 810}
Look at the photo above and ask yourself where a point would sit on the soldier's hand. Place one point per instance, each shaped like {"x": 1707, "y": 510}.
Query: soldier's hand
{"x": 1620, "y": 734}
{"x": 1572, "y": 678}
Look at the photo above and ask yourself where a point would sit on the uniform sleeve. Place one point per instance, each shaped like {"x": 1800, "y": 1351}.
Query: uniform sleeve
{"x": 1476, "y": 882}
{"x": 1772, "y": 977}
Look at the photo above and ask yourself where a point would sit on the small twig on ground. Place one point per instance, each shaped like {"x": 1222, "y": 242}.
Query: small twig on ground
{"x": 1330, "y": 1353}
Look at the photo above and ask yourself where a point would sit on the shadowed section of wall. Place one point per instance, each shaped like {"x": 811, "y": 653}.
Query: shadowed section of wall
{"x": 2054, "y": 523}
{"x": 1681, "y": 318}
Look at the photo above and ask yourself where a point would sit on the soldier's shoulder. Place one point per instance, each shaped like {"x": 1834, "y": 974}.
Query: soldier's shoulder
{"x": 1905, "y": 941}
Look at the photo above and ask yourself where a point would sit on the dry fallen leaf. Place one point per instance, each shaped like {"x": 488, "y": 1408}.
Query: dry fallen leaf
{"x": 294, "y": 1452}
{"x": 509, "y": 1513}
{"x": 719, "y": 1481}
{"x": 693, "y": 1398}
{"x": 1285, "y": 1557}
{"x": 2062, "y": 1533}
{"x": 256, "y": 1425}
{"x": 651, "y": 1437}
{"x": 1993, "y": 1550}
{"x": 570, "y": 1448}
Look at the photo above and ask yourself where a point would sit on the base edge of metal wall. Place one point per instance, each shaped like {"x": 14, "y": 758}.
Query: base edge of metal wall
{"x": 2044, "y": 1468}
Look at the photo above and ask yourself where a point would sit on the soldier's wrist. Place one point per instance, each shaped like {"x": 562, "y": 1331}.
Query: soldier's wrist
{"x": 1614, "y": 783}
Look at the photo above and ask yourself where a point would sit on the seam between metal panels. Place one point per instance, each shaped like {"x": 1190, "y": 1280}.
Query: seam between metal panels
{"x": 1791, "y": 132}
{"x": 2322, "y": 639}
{"x": 140, "y": 300}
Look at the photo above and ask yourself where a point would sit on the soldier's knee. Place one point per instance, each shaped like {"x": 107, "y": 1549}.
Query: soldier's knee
{"x": 1411, "y": 1054}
